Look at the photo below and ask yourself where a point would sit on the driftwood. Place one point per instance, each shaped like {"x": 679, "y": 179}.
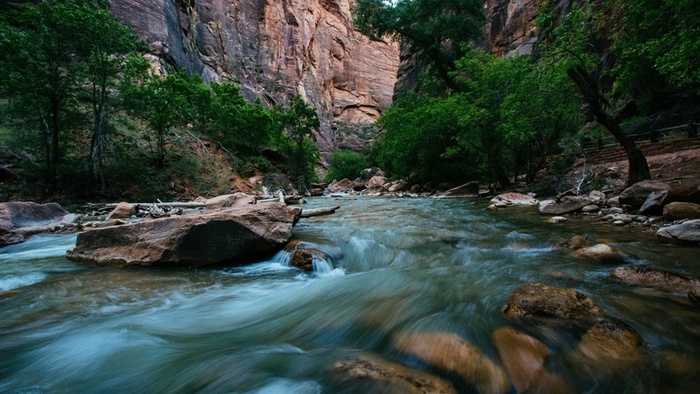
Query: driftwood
{"x": 99, "y": 206}
{"x": 307, "y": 213}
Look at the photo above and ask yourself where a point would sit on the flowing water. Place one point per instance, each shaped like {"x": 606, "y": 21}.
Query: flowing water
{"x": 400, "y": 266}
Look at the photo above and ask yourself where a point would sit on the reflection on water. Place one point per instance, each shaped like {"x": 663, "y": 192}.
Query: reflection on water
{"x": 400, "y": 266}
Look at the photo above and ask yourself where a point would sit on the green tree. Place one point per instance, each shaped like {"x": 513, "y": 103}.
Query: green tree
{"x": 582, "y": 42}
{"x": 435, "y": 30}
{"x": 346, "y": 164}
{"x": 299, "y": 121}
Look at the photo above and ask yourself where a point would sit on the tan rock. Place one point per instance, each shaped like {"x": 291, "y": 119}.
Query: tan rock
{"x": 513, "y": 198}
{"x": 600, "y": 252}
{"x": 681, "y": 210}
{"x": 536, "y": 300}
{"x": 451, "y": 353}
{"x": 228, "y": 200}
{"x": 123, "y": 210}
{"x": 576, "y": 242}
{"x": 610, "y": 344}
{"x": 373, "y": 374}
{"x": 648, "y": 276}
{"x": 522, "y": 356}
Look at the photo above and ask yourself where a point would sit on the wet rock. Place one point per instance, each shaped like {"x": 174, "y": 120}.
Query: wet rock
{"x": 648, "y": 276}
{"x": 24, "y": 214}
{"x": 123, "y": 210}
{"x": 684, "y": 232}
{"x": 694, "y": 296}
{"x": 638, "y": 193}
{"x": 610, "y": 342}
{"x": 600, "y": 252}
{"x": 378, "y": 375}
{"x": 230, "y": 235}
{"x": 513, "y": 198}
{"x": 576, "y": 242}
{"x": 566, "y": 204}
{"x": 536, "y": 300}
{"x": 614, "y": 202}
{"x": 470, "y": 189}
{"x": 681, "y": 210}
{"x": 557, "y": 219}
{"x": 522, "y": 356}
{"x": 303, "y": 255}
{"x": 450, "y": 353}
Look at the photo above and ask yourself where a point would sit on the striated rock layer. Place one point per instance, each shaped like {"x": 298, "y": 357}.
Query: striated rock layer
{"x": 275, "y": 50}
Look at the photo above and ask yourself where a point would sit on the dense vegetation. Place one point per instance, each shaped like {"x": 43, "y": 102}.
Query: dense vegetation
{"x": 89, "y": 116}
{"x": 478, "y": 116}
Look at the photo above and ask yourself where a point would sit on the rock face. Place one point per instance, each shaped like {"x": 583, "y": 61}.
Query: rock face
{"x": 226, "y": 235}
{"x": 17, "y": 215}
{"x": 511, "y": 25}
{"x": 275, "y": 50}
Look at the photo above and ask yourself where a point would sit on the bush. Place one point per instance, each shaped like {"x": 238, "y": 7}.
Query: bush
{"x": 346, "y": 164}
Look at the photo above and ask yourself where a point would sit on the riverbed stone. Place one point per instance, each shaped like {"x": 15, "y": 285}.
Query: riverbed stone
{"x": 610, "y": 343}
{"x": 600, "y": 252}
{"x": 648, "y": 276}
{"x": 681, "y": 210}
{"x": 694, "y": 296}
{"x": 451, "y": 353}
{"x": 374, "y": 374}
{"x": 557, "y": 219}
{"x": 513, "y": 198}
{"x": 590, "y": 208}
{"x": 229, "y": 235}
{"x": 574, "y": 243}
{"x": 522, "y": 356}
{"x": 377, "y": 180}
{"x": 688, "y": 231}
{"x": 566, "y": 204}
{"x": 537, "y": 300}
{"x": 654, "y": 203}
{"x": 597, "y": 197}
{"x": 638, "y": 193}
{"x": 343, "y": 186}
{"x": 123, "y": 210}
{"x": 614, "y": 202}
{"x": 303, "y": 254}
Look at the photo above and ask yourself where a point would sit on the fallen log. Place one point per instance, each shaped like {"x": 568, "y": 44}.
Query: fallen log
{"x": 197, "y": 204}
{"x": 307, "y": 213}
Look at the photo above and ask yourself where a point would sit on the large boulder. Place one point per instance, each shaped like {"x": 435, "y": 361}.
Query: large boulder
{"x": 229, "y": 235}
{"x": 565, "y": 205}
{"x": 513, "y": 198}
{"x": 638, "y": 193}
{"x": 681, "y": 210}
{"x": 684, "y": 232}
{"x": 450, "y": 353}
{"x": 373, "y": 374}
{"x": 123, "y": 210}
{"x": 344, "y": 185}
{"x": 654, "y": 203}
{"x": 536, "y": 300}
{"x": 14, "y": 216}
{"x": 377, "y": 180}
{"x": 470, "y": 189}
{"x": 648, "y": 276}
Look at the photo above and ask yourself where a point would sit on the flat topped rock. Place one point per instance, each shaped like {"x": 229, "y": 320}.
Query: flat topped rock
{"x": 229, "y": 235}
{"x": 536, "y": 300}
{"x": 22, "y": 214}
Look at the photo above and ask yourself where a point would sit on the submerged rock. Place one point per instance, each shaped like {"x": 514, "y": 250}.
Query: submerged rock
{"x": 378, "y": 375}
{"x": 536, "y": 300}
{"x": 212, "y": 237}
{"x": 600, "y": 252}
{"x": 648, "y": 276}
{"x": 610, "y": 343}
{"x": 685, "y": 232}
{"x": 522, "y": 356}
{"x": 452, "y": 354}
{"x": 575, "y": 242}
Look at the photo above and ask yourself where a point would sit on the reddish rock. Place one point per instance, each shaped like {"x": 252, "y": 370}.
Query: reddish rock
{"x": 513, "y": 198}
{"x": 522, "y": 356}
{"x": 681, "y": 210}
{"x": 123, "y": 210}
{"x": 230, "y": 235}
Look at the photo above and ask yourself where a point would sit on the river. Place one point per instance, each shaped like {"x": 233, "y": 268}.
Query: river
{"x": 401, "y": 265}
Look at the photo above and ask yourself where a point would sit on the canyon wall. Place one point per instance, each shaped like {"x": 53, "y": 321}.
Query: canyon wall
{"x": 274, "y": 50}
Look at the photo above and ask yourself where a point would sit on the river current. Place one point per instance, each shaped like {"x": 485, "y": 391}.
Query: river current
{"x": 399, "y": 266}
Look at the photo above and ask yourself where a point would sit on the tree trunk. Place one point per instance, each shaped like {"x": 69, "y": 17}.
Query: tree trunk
{"x": 638, "y": 166}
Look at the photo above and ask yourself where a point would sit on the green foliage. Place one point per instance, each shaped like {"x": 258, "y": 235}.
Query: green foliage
{"x": 435, "y": 30}
{"x": 345, "y": 164}
{"x": 298, "y": 122}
